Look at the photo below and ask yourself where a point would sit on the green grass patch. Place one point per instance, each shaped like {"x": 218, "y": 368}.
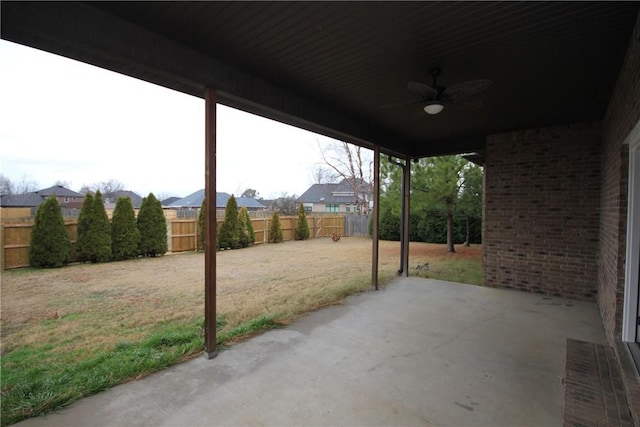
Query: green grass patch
{"x": 452, "y": 269}
{"x": 35, "y": 382}
{"x": 252, "y": 327}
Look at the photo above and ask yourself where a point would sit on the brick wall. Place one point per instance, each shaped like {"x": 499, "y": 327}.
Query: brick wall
{"x": 622, "y": 115}
{"x": 541, "y": 222}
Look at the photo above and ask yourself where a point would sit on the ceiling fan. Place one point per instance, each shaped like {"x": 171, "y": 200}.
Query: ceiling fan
{"x": 456, "y": 97}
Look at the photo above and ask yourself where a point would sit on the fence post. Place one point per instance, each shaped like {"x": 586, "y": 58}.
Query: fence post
{"x": 169, "y": 226}
{"x": 2, "y": 247}
{"x": 195, "y": 234}
{"x": 265, "y": 231}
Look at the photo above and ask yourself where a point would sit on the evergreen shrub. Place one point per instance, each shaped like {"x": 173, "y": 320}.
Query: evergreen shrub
{"x": 83, "y": 245}
{"x": 275, "y": 230}
{"x": 229, "y": 237}
{"x": 101, "y": 231}
{"x": 50, "y": 244}
{"x": 302, "y": 229}
{"x": 125, "y": 236}
{"x": 94, "y": 231}
{"x": 153, "y": 227}
{"x": 247, "y": 234}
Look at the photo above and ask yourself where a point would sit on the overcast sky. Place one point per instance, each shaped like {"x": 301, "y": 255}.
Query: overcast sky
{"x": 63, "y": 120}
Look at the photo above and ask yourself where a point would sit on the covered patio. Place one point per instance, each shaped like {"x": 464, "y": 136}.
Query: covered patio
{"x": 558, "y": 133}
{"x": 419, "y": 352}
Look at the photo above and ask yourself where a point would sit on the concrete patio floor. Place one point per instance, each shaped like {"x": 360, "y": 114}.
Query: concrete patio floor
{"x": 420, "y": 352}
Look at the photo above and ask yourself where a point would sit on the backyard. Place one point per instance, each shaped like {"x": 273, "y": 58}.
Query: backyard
{"x": 70, "y": 332}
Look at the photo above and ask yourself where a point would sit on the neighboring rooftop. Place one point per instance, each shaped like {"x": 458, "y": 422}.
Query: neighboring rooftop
{"x": 35, "y": 199}
{"x": 341, "y": 192}
{"x": 166, "y": 202}
{"x": 29, "y": 200}
{"x": 112, "y": 198}
{"x": 59, "y": 191}
{"x": 194, "y": 200}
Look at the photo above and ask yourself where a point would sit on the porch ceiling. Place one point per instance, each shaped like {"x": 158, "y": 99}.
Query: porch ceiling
{"x": 335, "y": 67}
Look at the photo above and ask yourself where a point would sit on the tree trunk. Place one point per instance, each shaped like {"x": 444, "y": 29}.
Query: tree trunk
{"x": 467, "y": 242}
{"x": 450, "y": 247}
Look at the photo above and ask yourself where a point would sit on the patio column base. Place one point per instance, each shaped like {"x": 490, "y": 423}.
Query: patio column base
{"x": 210, "y": 355}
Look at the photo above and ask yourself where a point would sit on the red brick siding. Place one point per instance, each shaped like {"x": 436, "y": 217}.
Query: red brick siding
{"x": 622, "y": 115}
{"x": 541, "y": 220}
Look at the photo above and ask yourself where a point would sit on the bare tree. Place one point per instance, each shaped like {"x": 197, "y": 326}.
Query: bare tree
{"x": 85, "y": 189}
{"x": 65, "y": 184}
{"x": 25, "y": 186}
{"x": 323, "y": 175}
{"x": 285, "y": 205}
{"x": 163, "y": 195}
{"x": 354, "y": 165}
{"x": 250, "y": 192}
{"x": 6, "y": 186}
{"x": 106, "y": 188}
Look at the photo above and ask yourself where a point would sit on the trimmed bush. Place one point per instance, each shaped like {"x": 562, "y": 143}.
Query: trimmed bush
{"x": 247, "y": 235}
{"x": 125, "y": 236}
{"x": 275, "y": 230}
{"x": 302, "y": 229}
{"x": 250, "y": 231}
{"x": 50, "y": 244}
{"x": 101, "y": 230}
{"x": 153, "y": 227}
{"x": 202, "y": 225}
{"x": 94, "y": 231}
{"x": 83, "y": 246}
{"x": 229, "y": 236}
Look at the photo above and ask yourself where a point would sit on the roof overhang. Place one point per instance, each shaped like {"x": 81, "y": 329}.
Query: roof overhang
{"x": 341, "y": 68}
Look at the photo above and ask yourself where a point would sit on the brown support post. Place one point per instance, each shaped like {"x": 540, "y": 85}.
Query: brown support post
{"x": 406, "y": 187}
{"x": 376, "y": 215}
{"x": 210, "y": 227}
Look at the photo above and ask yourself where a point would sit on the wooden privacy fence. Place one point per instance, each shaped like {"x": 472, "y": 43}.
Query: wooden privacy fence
{"x": 182, "y": 234}
{"x": 15, "y": 240}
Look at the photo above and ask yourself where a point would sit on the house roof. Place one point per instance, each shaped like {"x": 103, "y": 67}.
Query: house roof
{"x": 166, "y": 202}
{"x": 341, "y": 68}
{"x": 59, "y": 191}
{"x": 35, "y": 199}
{"x": 29, "y": 200}
{"x": 195, "y": 200}
{"x": 341, "y": 192}
{"x": 136, "y": 200}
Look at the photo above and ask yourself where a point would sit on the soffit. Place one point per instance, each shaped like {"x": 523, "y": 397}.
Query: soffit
{"x": 341, "y": 68}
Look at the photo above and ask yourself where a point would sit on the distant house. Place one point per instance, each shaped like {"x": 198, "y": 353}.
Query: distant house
{"x": 111, "y": 199}
{"x": 66, "y": 198}
{"x": 194, "y": 201}
{"x": 338, "y": 197}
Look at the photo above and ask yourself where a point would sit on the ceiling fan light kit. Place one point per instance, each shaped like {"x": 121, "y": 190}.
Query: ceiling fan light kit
{"x": 433, "y": 107}
{"x": 435, "y": 97}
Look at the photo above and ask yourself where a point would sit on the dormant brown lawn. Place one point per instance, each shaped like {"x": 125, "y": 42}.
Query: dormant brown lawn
{"x": 103, "y": 304}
